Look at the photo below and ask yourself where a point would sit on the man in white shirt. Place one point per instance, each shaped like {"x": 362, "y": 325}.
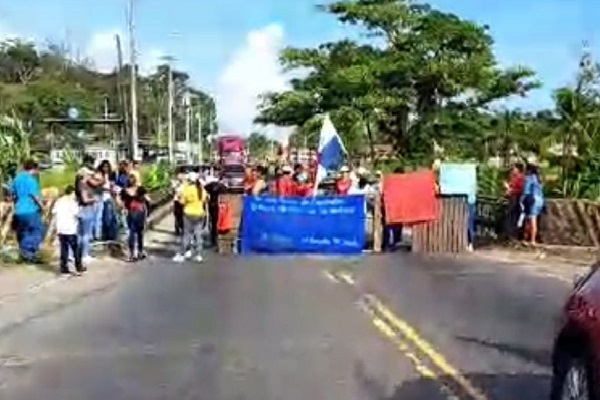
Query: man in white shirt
{"x": 66, "y": 217}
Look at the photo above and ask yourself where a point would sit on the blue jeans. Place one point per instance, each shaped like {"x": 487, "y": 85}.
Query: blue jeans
{"x": 98, "y": 220}
{"x": 86, "y": 229}
{"x": 30, "y": 234}
{"x": 472, "y": 214}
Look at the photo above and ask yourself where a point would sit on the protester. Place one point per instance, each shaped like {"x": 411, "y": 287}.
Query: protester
{"x": 28, "y": 222}
{"x": 135, "y": 200}
{"x": 177, "y": 206}
{"x": 249, "y": 178}
{"x": 260, "y": 186}
{"x": 66, "y": 217}
{"x": 84, "y": 191}
{"x": 102, "y": 194}
{"x": 302, "y": 185}
{"x": 135, "y": 171}
{"x": 285, "y": 183}
{"x": 122, "y": 178}
{"x": 343, "y": 184}
{"x": 392, "y": 234}
{"x": 215, "y": 189}
{"x": 532, "y": 200}
{"x": 514, "y": 191}
{"x": 193, "y": 198}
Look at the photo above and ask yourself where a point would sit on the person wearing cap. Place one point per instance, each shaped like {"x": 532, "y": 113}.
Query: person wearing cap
{"x": 285, "y": 183}
{"x": 193, "y": 197}
{"x": 344, "y": 183}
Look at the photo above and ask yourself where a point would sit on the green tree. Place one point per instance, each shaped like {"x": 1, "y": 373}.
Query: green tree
{"x": 419, "y": 74}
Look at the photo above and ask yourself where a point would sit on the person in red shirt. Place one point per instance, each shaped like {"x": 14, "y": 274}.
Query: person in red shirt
{"x": 343, "y": 184}
{"x": 514, "y": 190}
{"x": 249, "y": 180}
{"x": 285, "y": 183}
{"x": 302, "y": 186}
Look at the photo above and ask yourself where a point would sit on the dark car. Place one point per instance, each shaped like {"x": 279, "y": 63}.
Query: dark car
{"x": 233, "y": 175}
{"x": 576, "y": 355}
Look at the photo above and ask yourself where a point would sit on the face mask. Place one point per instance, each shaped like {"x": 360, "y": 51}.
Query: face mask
{"x": 302, "y": 177}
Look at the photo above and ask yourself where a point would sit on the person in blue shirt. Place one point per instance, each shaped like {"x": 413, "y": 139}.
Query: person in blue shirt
{"x": 28, "y": 222}
{"x": 532, "y": 200}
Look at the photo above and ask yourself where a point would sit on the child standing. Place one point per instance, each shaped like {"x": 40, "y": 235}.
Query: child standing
{"x": 66, "y": 215}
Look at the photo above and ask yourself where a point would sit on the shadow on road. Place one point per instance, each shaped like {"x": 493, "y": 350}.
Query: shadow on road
{"x": 502, "y": 386}
{"x": 542, "y": 357}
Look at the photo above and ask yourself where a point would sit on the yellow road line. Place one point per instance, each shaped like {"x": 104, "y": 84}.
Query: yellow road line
{"x": 427, "y": 349}
{"x": 331, "y": 276}
{"x": 390, "y": 323}
{"x": 346, "y": 277}
{"x": 421, "y": 368}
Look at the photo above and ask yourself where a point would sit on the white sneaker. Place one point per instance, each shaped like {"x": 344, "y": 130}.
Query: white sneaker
{"x": 198, "y": 258}
{"x": 188, "y": 254}
{"x": 179, "y": 258}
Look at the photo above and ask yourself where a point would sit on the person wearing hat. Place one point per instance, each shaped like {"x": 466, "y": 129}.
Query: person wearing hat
{"x": 285, "y": 182}
{"x": 344, "y": 183}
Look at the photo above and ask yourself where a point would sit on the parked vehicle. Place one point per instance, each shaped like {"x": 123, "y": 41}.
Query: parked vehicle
{"x": 576, "y": 355}
{"x": 233, "y": 175}
{"x": 232, "y": 150}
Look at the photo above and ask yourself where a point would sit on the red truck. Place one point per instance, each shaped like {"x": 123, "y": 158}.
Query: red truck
{"x": 232, "y": 150}
{"x": 233, "y": 158}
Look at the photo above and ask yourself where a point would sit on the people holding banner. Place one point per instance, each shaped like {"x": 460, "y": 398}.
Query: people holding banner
{"x": 343, "y": 184}
{"x": 285, "y": 183}
{"x": 302, "y": 185}
{"x": 260, "y": 186}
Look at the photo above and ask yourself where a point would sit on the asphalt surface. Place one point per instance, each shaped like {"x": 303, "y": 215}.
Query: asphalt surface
{"x": 295, "y": 328}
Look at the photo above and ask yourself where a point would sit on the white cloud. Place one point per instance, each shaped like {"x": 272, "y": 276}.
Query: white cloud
{"x": 252, "y": 70}
{"x": 101, "y": 50}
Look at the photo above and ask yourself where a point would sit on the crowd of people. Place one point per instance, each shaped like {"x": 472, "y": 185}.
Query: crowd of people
{"x": 92, "y": 209}
{"x": 299, "y": 181}
{"x": 103, "y": 202}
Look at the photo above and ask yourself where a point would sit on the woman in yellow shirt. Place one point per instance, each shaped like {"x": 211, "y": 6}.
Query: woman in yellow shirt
{"x": 193, "y": 197}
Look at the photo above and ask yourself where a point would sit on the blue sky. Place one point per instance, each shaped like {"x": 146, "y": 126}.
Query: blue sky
{"x": 212, "y": 39}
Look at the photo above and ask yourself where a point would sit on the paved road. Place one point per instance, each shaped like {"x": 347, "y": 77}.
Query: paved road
{"x": 385, "y": 328}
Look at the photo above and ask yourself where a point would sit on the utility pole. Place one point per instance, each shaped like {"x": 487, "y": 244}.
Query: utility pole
{"x": 200, "y": 139}
{"x": 133, "y": 69}
{"x": 120, "y": 89}
{"x": 170, "y": 100}
{"x": 188, "y": 139}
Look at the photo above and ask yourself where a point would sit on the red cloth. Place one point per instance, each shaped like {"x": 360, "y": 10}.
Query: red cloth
{"x": 342, "y": 186}
{"x": 302, "y": 189}
{"x": 285, "y": 186}
{"x": 516, "y": 184}
{"x": 410, "y": 197}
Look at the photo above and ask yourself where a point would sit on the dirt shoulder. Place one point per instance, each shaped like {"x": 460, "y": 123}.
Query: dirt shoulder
{"x": 563, "y": 263}
{"x": 27, "y": 292}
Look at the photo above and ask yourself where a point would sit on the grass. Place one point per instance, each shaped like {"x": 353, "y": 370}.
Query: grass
{"x": 57, "y": 178}
{"x": 60, "y": 178}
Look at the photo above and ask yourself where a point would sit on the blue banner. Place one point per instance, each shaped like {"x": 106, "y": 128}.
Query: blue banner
{"x": 326, "y": 225}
